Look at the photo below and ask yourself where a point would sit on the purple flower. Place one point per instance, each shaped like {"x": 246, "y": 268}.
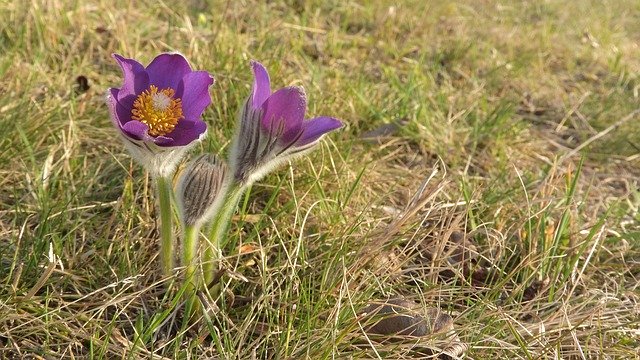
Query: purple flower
{"x": 272, "y": 128}
{"x": 158, "y": 109}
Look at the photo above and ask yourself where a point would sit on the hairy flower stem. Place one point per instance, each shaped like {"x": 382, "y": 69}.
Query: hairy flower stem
{"x": 219, "y": 228}
{"x": 166, "y": 225}
{"x": 189, "y": 257}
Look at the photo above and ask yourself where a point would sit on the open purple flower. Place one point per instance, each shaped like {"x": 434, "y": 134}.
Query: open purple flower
{"x": 158, "y": 109}
{"x": 272, "y": 128}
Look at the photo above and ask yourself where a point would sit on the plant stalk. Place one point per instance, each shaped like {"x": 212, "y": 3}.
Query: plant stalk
{"x": 166, "y": 226}
{"x": 190, "y": 256}
{"x": 218, "y": 230}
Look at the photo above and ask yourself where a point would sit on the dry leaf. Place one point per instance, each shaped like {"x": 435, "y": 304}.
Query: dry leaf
{"x": 402, "y": 317}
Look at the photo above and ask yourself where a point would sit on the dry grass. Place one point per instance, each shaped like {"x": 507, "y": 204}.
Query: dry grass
{"x": 517, "y": 130}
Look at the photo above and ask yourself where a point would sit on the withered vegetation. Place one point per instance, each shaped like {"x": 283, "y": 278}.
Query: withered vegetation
{"x": 489, "y": 171}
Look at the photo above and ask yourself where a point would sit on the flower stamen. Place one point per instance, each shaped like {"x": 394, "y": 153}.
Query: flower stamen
{"x": 158, "y": 110}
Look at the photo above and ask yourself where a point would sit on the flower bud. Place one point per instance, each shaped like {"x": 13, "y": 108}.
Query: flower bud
{"x": 199, "y": 188}
{"x": 272, "y": 129}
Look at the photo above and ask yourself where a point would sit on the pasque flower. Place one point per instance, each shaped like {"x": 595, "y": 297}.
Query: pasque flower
{"x": 158, "y": 109}
{"x": 272, "y": 128}
{"x": 158, "y": 113}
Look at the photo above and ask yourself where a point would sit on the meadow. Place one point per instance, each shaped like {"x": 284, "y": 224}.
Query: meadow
{"x": 489, "y": 167}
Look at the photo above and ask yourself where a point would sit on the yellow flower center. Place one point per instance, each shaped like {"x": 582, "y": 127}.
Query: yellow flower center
{"x": 158, "y": 109}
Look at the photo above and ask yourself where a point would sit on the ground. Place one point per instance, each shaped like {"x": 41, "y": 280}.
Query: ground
{"x": 489, "y": 167}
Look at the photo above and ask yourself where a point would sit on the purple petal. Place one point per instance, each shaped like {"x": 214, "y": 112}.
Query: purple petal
{"x": 136, "y": 79}
{"x": 120, "y": 107}
{"x": 163, "y": 141}
{"x": 166, "y": 70}
{"x": 261, "y": 84}
{"x": 140, "y": 131}
{"x": 313, "y": 129}
{"x": 185, "y": 132}
{"x": 136, "y": 130}
{"x": 284, "y": 113}
{"x": 194, "y": 92}
{"x": 112, "y": 102}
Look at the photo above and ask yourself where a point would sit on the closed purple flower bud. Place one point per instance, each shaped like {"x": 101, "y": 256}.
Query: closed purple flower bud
{"x": 272, "y": 128}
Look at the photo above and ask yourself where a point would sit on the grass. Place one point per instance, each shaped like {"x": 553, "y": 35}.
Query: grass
{"x": 495, "y": 96}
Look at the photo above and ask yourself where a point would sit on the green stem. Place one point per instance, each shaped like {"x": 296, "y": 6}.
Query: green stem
{"x": 166, "y": 226}
{"x": 189, "y": 260}
{"x": 219, "y": 228}
{"x": 189, "y": 256}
